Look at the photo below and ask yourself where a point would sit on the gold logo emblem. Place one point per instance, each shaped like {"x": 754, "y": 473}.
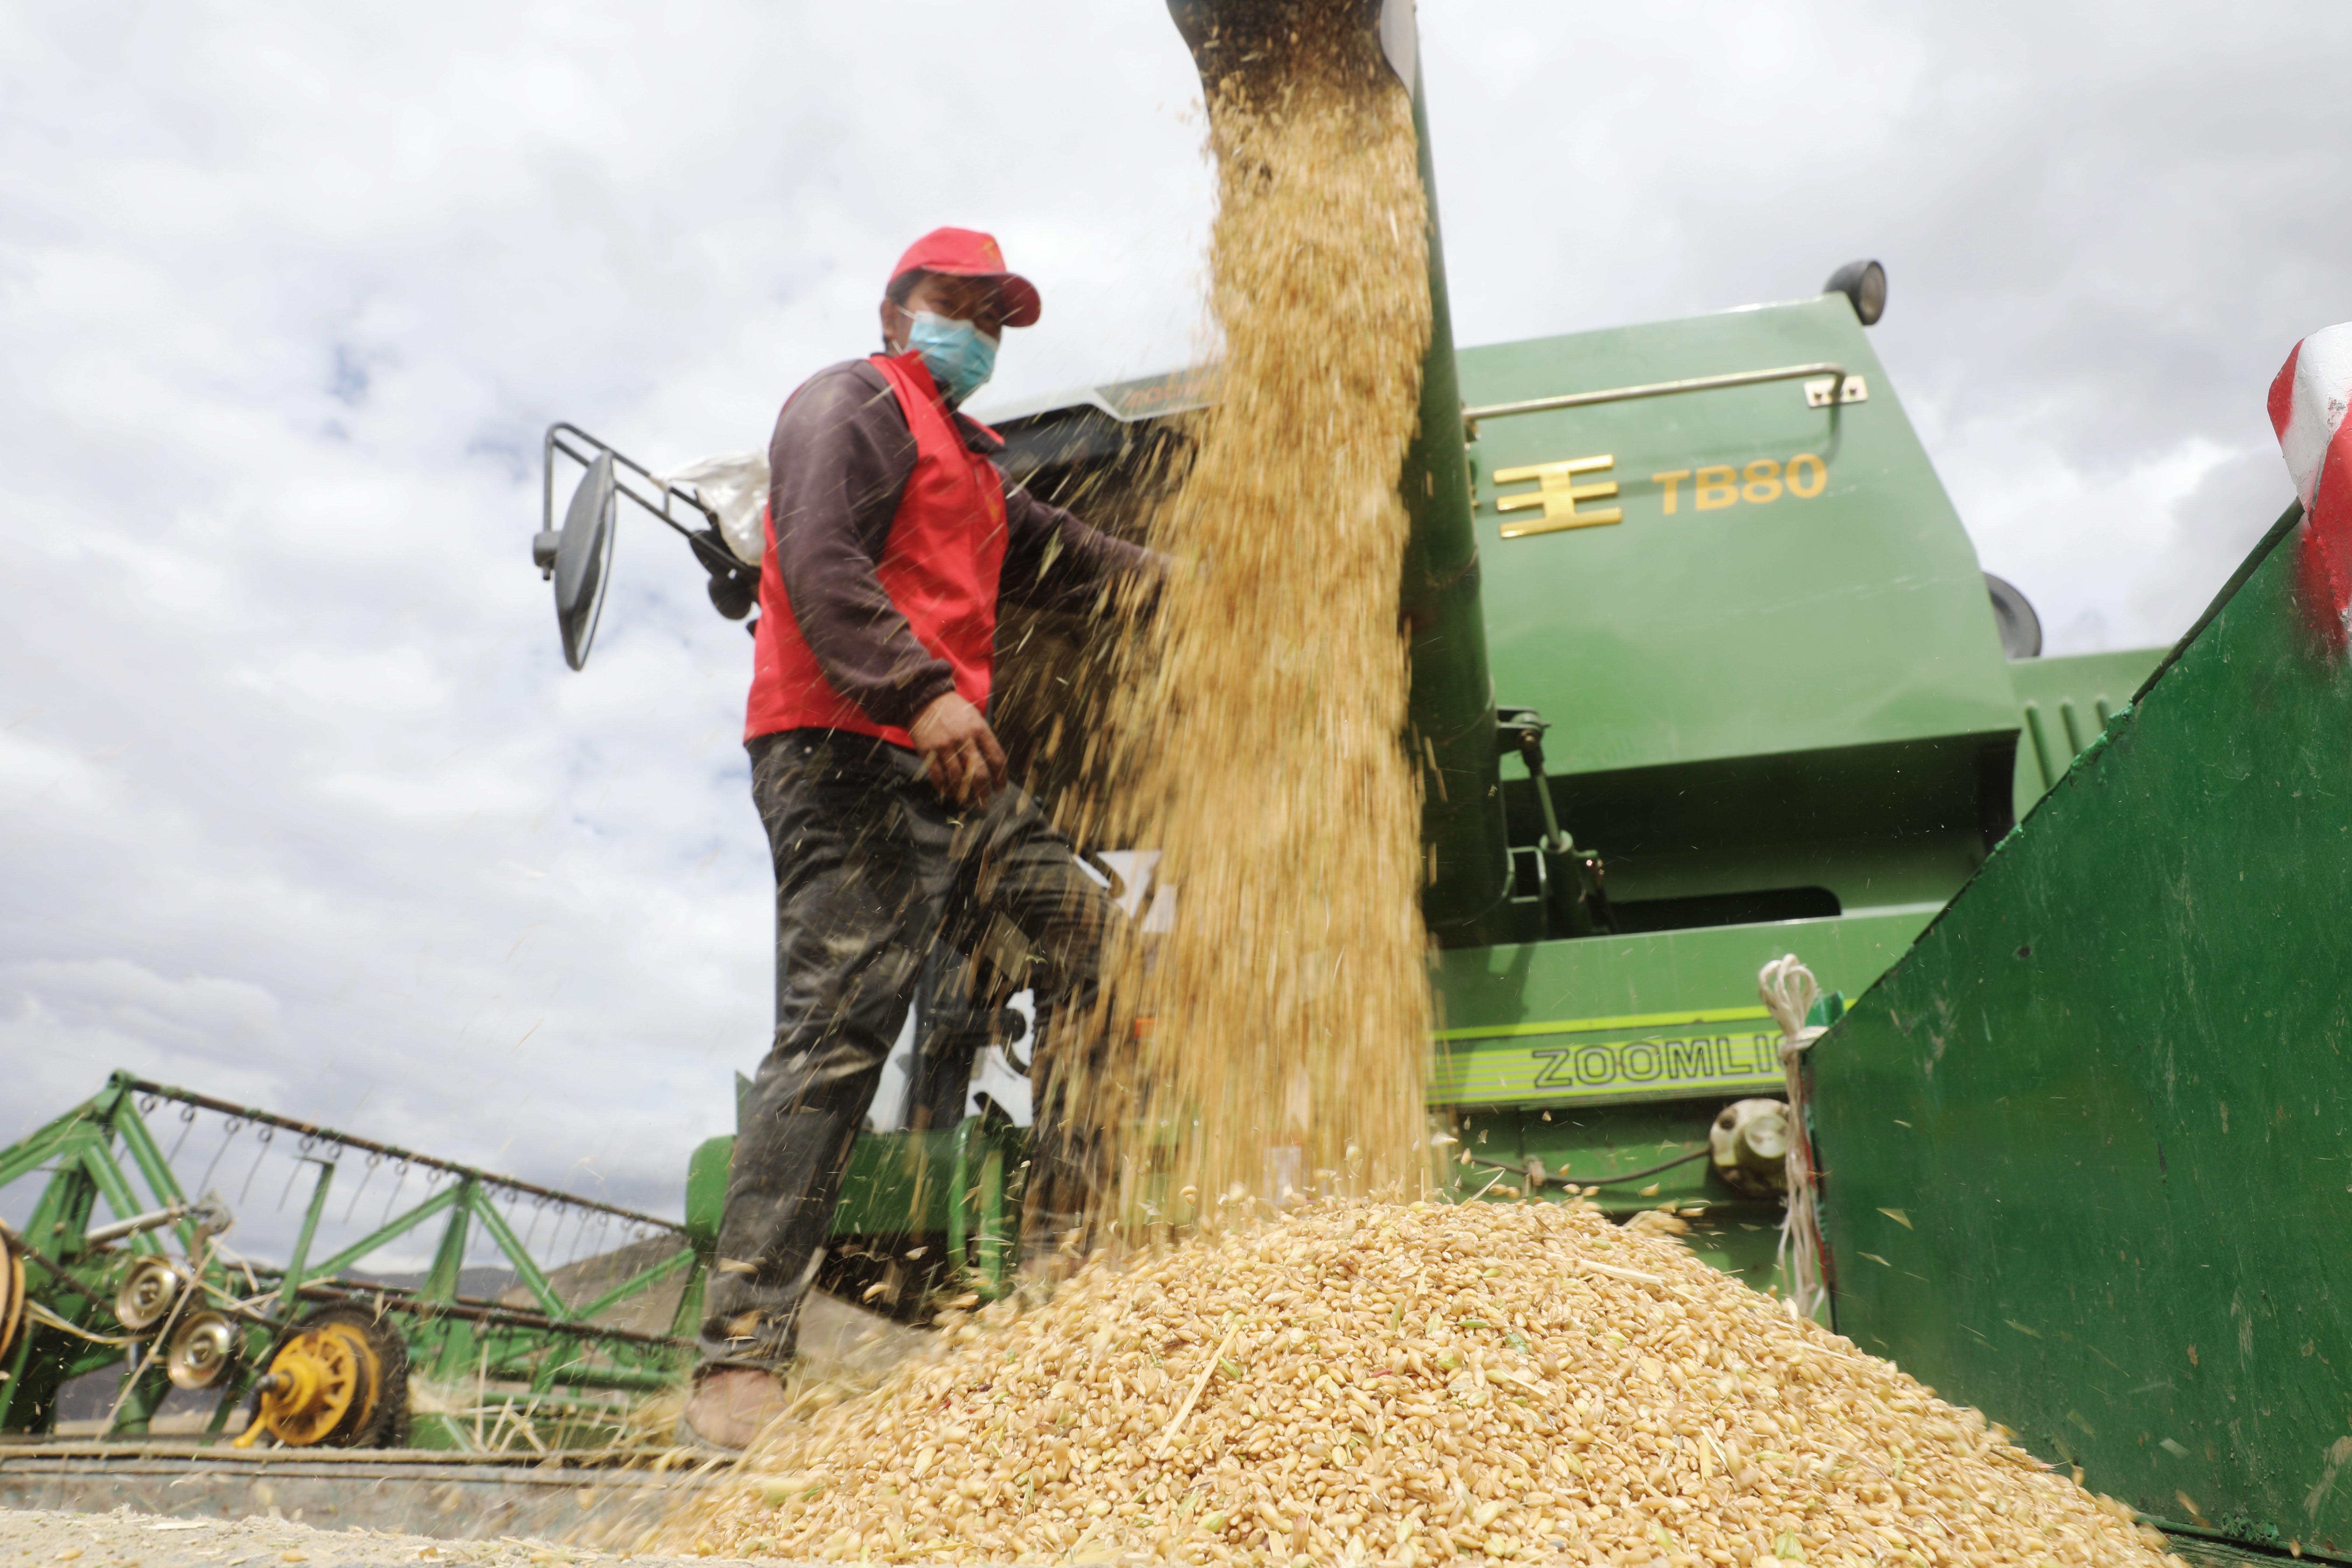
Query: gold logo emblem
{"x": 1556, "y": 493}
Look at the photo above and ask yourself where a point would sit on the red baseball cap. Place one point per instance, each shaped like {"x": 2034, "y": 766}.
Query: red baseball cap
{"x": 968, "y": 253}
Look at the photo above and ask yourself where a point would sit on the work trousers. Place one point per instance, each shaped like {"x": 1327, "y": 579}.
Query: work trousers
{"x": 874, "y": 871}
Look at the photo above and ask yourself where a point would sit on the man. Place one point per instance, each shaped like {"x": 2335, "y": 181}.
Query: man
{"x": 891, "y": 535}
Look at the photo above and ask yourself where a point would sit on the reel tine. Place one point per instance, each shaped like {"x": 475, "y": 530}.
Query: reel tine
{"x": 302, "y": 1152}
{"x": 230, "y": 1127}
{"x": 400, "y": 1180}
{"x": 263, "y": 1136}
{"x": 187, "y": 1125}
{"x": 373, "y": 1160}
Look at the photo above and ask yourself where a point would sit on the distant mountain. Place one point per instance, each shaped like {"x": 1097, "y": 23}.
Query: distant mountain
{"x": 576, "y": 1284}
{"x": 483, "y": 1281}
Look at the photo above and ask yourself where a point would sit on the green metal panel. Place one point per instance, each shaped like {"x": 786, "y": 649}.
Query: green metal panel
{"x": 1602, "y": 1056}
{"x": 2063, "y": 704}
{"x": 1772, "y": 622}
{"x": 896, "y": 1183}
{"x": 2085, "y": 1145}
{"x": 964, "y": 1183}
{"x": 1451, "y": 712}
{"x": 705, "y": 1189}
{"x": 1667, "y": 1014}
{"x": 1895, "y": 827}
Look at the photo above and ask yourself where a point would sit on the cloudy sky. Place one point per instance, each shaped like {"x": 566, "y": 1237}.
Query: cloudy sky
{"x": 298, "y": 803}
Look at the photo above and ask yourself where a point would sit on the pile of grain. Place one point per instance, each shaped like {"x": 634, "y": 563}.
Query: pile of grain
{"x": 1409, "y": 1383}
{"x": 1259, "y": 731}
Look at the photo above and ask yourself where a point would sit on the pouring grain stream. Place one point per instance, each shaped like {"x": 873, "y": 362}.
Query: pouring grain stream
{"x": 1257, "y": 740}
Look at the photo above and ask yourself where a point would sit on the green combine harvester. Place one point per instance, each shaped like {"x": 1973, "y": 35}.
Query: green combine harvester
{"x": 1705, "y": 671}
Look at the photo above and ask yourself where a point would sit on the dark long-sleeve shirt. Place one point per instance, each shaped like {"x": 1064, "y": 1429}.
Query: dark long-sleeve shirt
{"x": 839, "y": 462}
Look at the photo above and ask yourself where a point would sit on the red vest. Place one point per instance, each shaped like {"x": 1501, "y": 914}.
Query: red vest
{"x": 939, "y": 566}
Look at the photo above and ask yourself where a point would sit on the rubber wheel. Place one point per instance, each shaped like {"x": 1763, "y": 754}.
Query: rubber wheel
{"x": 380, "y": 1421}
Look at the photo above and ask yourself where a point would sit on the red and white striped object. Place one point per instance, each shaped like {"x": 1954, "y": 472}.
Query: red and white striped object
{"x": 2308, "y": 400}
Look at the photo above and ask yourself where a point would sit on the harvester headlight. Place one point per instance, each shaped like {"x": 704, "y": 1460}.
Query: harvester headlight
{"x": 1864, "y": 283}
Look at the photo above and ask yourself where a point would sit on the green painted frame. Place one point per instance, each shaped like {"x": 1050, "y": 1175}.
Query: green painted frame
{"x": 580, "y": 1374}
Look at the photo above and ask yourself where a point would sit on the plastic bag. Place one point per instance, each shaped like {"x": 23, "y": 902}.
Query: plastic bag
{"x": 735, "y": 486}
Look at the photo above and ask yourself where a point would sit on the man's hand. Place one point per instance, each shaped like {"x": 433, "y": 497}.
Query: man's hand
{"x": 959, "y": 750}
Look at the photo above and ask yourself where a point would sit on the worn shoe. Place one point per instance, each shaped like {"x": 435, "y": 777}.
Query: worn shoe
{"x": 729, "y": 1407}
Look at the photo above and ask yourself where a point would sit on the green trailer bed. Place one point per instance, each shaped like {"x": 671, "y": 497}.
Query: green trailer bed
{"x": 2085, "y": 1145}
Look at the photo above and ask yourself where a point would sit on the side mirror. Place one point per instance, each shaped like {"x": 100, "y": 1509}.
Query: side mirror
{"x": 578, "y": 556}
{"x": 583, "y": 559}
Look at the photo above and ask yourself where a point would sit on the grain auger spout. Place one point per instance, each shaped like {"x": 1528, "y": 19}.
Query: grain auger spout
{"x": 1454, "y": 729}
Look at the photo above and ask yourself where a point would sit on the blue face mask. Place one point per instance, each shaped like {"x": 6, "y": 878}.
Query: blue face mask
{"x": 959, "y": 356}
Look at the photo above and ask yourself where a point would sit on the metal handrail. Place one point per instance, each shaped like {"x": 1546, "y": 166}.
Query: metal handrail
{"x": 1470, "y": 417}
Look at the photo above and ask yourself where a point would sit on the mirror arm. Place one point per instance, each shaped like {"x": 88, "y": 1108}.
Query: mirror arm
{"x": 669, "y": 492}
{"x": 733, "y": 585}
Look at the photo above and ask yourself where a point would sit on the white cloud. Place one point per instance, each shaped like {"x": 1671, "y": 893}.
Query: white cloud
{"x": 65, "y": 1025}
{"x": 297, "y": 801}
{"x": 2104, "y": 226}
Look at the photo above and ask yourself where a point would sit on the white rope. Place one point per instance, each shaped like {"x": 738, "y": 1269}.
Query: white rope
{"x": 1788, "y": 991}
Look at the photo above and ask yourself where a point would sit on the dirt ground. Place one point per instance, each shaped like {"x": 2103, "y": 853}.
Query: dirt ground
{"x": 840, "y": 1336}
{"x": 126, "y": 1539}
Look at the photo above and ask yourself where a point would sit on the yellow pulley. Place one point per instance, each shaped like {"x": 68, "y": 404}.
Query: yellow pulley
{"x": 12, "y": 1289}
{"x": 326, "y": 1383}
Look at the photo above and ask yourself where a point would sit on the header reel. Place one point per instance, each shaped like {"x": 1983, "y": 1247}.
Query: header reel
{"x": 560, "y": 1313}
{"x": 578, "y": 557}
